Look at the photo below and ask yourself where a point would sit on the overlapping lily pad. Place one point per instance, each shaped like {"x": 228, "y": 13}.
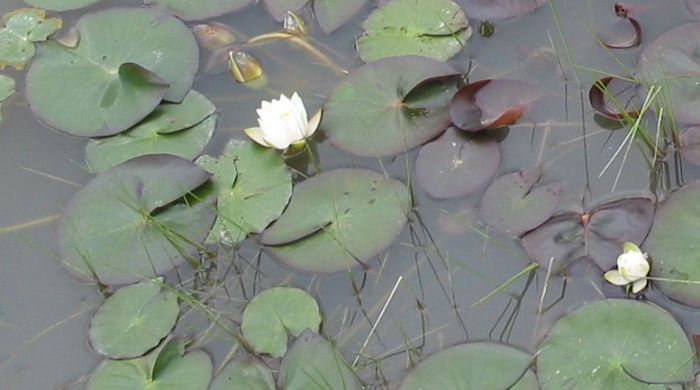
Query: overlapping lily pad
{"x": 499, "y": 9}
{"x": 457, "y": 163}
{"x": 673, "y": 245}
{"x": 133, "y": 320}
{"x": 598, "y": 232}
{"x": 126, "y": 62}
{"x": 244, "y": 372}
{"x": 127, "y": 225}
{"x": 514, "y": 203}
{"x": 278, "y": 8}
{"x": 366, "y": 114}
{"x": 60, "y": 5}
{"x": 7, "y": 88}
{"x": 437, "y": 29}
{"x": 338, "y": 219}
{"x": 273, "y": 313}
{"x": 22, "y": 28}
{"x": 479, "y": 365}
{"x": 197, "y": 10}
{"x": 615, "y": 344}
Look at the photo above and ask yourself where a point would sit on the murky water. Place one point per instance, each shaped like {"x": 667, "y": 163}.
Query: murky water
{"x": 444, "y": 263}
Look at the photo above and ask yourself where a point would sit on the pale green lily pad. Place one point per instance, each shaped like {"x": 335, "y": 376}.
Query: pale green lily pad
{"x": 198, "y": 10}
{"x": 181, "y": 129}
{"x": 126, "y": 62}
{"x": 260, "y": 187}
{"x": 338, "y": 219}
{"x": 127, "y": 225}
{"x": 133, "y": 320}
{"x": 163, "y": 369}
{"x": 7, "y": 88}
{"x": 246, "y": 372}
{"x": 438, "y": 29}
{"x": 313, "y": 363}
{"x": 22, "y": 28}
{"x": 615, "y": 344}
{"x": 479, "y": 365}
{"x": 273, "y": 313}
{"x": 60, "y": 5}
{"x": 366, "y": 114}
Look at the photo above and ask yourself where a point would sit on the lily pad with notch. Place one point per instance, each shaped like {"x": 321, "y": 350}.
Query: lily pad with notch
{"x": 597, "y": 232}
{"x": 366, "y": 114}
{"x": 129, "y": 223}
{"x": 611, "y": 97}
{"x": 23, "y": 27}
{"x": 615, "y": 344}
{"x": 198, "y": 10}
{"x": 244, "y": 372}
{"x": 337, "y": 220}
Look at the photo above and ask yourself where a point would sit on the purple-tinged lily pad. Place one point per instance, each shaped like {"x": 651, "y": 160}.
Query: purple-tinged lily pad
{"x": 489, "y": 104}
{"x": 626, "y": 33}
{"x": 673, "y": 245}
{"x": 610, "y": 97}
{"x": 499, "y": 9}
{"x": 514, "y": 203}
{"x": 457, "y": 163}
{"x": 366, "y": 114}
{"x": 126, "y": 225}
{"x": 689, "y": 139}
{"x": 337, "y": 220}
{"x": 597, "y": 232}
{"x": 198, "y": 10}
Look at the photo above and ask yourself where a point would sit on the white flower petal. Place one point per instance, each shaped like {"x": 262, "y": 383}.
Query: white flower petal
{"x": 633, "y": 265}
{"x": 615, "y": 278}
{"x": 255, "y": 133}
{"x": 639, "y": 285}
{"x": 284, "y": 122}
{"x": 314, "y": 122}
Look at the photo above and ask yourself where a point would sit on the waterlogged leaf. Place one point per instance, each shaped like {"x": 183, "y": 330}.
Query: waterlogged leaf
{"x": 278, "y": 8}
{"x": 273, "y": 313}
{"x": 127, "y": 60}
{"x": 432, "y": 28}
{"x": 313, "y": 363}
{"x": 611, "y": 97}
{"x": 7, "y": 88}
{"x": 60, "y": 5}
{"x": 499, "y": 9}
{"x": 615, "y": 344}
{"x": 245, "y": 372}
{"x": 672, "y": 62}
{"x": 456, "y": 163}
{"x": 514, "y": 203}
{"x": 597, "y": 233}
{"x": 133, "y": 320}
{"x": 366, "y": 114}
{"x": 332, "y": 14}
{"x": 251, "y": 195}
{"x": 198, "y": 10}
{"x": 479, "y": 365}
{"x": 489, "y": 104}
{"x": 192, "y": 371}
{"x": 125, "y": 224}
{"x": 673, "y": 245}
{"x": 181, "y": 129}
{"x": 338, "y": 219}
{"x": 22, "y": 28}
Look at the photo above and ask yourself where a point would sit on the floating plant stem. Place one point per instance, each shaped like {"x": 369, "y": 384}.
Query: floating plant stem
{"x": 273, "y": 36}
{"x": 525, "y": 270}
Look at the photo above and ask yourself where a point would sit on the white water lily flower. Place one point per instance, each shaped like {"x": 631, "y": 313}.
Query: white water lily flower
{"x": 283, "y": 123}
{"x": 632, "y": 268}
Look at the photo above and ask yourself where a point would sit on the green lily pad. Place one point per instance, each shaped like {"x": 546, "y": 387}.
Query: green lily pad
{"x": 60, "y": 5}
{"x": 672, "y": 243}
{"x": 7, "y": 88}
{"x": 163, "y": 369}
{"x": 126, "y": 62}
{"x": 615, "y": 344}
{"x": 133, "y": 320}
{"x": 22, "y": 28}
{"x": 270, "y": 315}
{"x": 338, "y": 219}
{"x": 250, "y": 196}
{"x": 366, "y": 114}
{"x": 245, "y": 372}
{"x": 198, "y": 10}
{"x": 312, "y": 363}
{"x": 126, "y": 225}
{"x": 181, "y": 129}
{"x": 479, "y": 365}
{"x": 438, "y": 29}
{"x": 332, "y": 14}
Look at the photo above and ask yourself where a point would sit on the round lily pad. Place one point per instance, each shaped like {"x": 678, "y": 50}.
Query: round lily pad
{"x": 198, "y": 10}
{"x": 133, "y": 320}
{"x": 60, "y": 5}
{"x": 334, "y": 13}
{"x": 456, "y": 163}
{"x": 127, "y": 225}
{"x": 244, "y": 372}
{"x": 127, "y": 60}
{"x": 366, "y": 114}
{"x": 338, "y": 219}
{"x": 22, "y": 28}
{"x": 432, "y": 28}
{"x": 514, "y": 203}
{"x": 273, "y": 313}
{"x": 615, "y": 344}
{"x": 673, "y": 245}
{"x": 499, "y": 9}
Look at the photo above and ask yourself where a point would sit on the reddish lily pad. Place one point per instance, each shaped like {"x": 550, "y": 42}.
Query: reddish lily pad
{"x": 499, "y": 9}
{"x": 457, "y": 163}
{"x": 610, "y": 97}
{"x": 489, "y": 104}
{"x": 597, "y": 232}
{"x": 514, "y": 203}
{"x": 626, "y": 33}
